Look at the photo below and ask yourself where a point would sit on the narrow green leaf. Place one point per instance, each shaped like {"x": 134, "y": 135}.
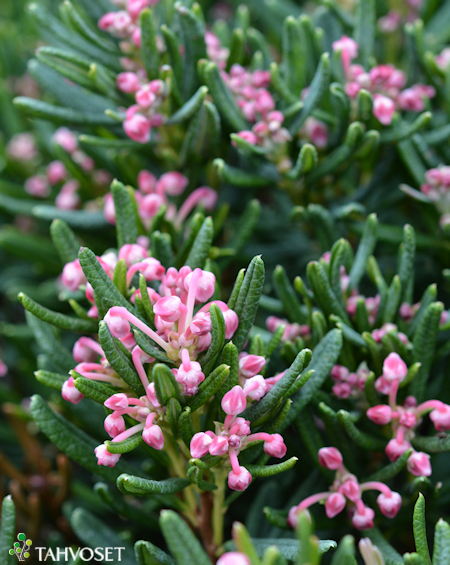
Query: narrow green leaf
{"x": 365, "y": 30}
{"x": 53, "y": 380}
{"x": 217, "y": 339}
{"x": 190, "y": 108}
{"x": 393, "y": 300}
{"x": 307, "y": 159}
{"x": 420, "y": 530}
{"x": 200, "y": 248}
{"x": 126, "y": 445}
{"x": 147, "y": 554}
{"x": 149, "y": 50}
{"x": 271, "y": 470}
{"x": 238, "y": 177}
{"x": 126, "y": 225}
{"x": 360, "y": 438}
{"x": 55, "y": 318}
{"x": 285, "y": 292}
{"x": 193, "y": 33}
{"x": 365, "y": 250}
{"x": 7, "y": 529}
{"x": 280, "y": 389}
{"x": 118, "y": 360}
{"x": 166, "y": 386}
{"x": 388, "y": 472}
{"x": 391, "y": 556}
{"x": 149, "y": 347}
{"x": 294, "y": 55}
{"x": 441, "y": 553}
{"x": 323, "y": 292}
{"x": 96, "y": 391}
{"x": 345, "y": 552}
{"x": 130, "y": 484}
{"x": 65, "y": 241}
{"x": 181, "y": 541}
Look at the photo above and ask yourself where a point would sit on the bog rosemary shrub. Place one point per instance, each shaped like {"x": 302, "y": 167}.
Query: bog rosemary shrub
{"x": 227, "y": 226}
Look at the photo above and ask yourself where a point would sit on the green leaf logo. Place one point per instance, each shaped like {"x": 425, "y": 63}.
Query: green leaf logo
{"x": 21, "y": 547}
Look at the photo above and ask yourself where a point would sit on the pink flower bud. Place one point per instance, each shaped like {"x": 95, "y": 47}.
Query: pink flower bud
{"x": 199, "y": 445}
{"x": 218, "y": 446}
{"x": 145, "y": 97}
{"x": 65, "y": 138}
{"x": 342, "y": 390}
{"x": 168, "y": 308}
{"x": 190, "y": 374}
{"x": 241, "y": 481}
{"x": 114, "y": 425}
{"x": 149, "y": 205}
{"x": 330, "y": 457}
{"x": 68, "y": 199}
{"x": 146, "y": 182}
{"x": 255, "y": 387}
{"x": 233, "y": 558}
{"x": 394, "y": 448}
{"x": 419, "y": 464}
{"x": 117, "y": 401}
{"x": 152, "y": 269}
{"x": 118, "y": 326}
{"x": 248, "y": 136}
{"x": 383, "y": 109}
{"x": 351, "y": 490}
{"x": 109, "y": 211}
{"x": 335, "y": 504}
{"x": 138, "y": 128}
{"x": 275, "y": 447}
{"x": 264, "y": 102}
{"x": 364, "y": 520}
{"x": 172, "y": 183}
{"x": 408, "y": 419}
{"x": 128, "y": 82}
{"x": 389, "y": 505}
{"x": 104, "y": 457}
{"x": 153, "y": 436}
{"x": 260, "y": 78}
{"x": 346, "y": 45}
{"x": 411, "y": 100}
{"x": 106, "y": 22}
{"x": 37, "y": 186}
{"x": 441, "y": 418}
{"x": 73, "y": 276}
{"x": 56, "y": 172}
{"x": 240, "y": 427}
{"x": 250, "y": 365}
{"x": 234, "y": 401}
{"x": 201, "y": 324}
{"x": 380, "y": 414}
{"x": 135, "y": 7}
{"x": 231, "y": 323}
{"x": 3, "y": 368}
{"x": 132, "y": 253}
{"x": 317, "y": 132}
{"x": 394, "y": 368}
{"x": 205, "y": 285}
{"x": 70, "y": 393}
{"x": 22, "y": 147}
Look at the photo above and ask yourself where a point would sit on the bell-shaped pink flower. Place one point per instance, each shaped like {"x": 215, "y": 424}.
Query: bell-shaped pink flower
{"x": 172, "y": 183}
{"x": 419, "y": 464}
{"x": 132, "y": 253}
{"x": 118, "y": 326}
{"x": 250, "y": 365}
{"x": 231, "y": 323}
{"x": 389, "y": 505}
{"x": 37, "y": 186}
{"x": 275, "y": 447}
{"x": 234, "y": 401}
{"x": 117, "y": 401}
{"x": 239, "y": 481}
{"x": 138, "y": 128}
{"x": 383, "y": 109}
{"x": 73, "y": 276}
{"x": 70, "y": 393}
{"x": 317, "y": 131}
{"x": 330, "y": 457}
{"x": 205, "y": 285}
{"x": 411, "y": 100}
{"x": 394, "y": 368}
{"x": 201, "y": 324}
{"x": 351, "y": 490}
{"x": 199, "y": 445}
{"x": 395, "y": 448}
{"x": 240, "y": 427}
{"x": 381, "y": 414}
{"x": 233, "y": 558}
{"x": 128, "y": 82}
{"x": 168, "y": 308}
{"x": 218, "y": 446}
{"x": 346, "y": 44}
{"x": 146, "y": 182}
{"x": 255, "y": 387}
{"x": 153, "y": 435}
{"x": 335, "y": 504}
{"x": 56, "y": 172}
{"x": 114, "y": 424}
{"x": 104, "y": 457}
{"x": 248, "y": 136}
{"x": 264, "y": 102}
{"x": 152, "y": 269}
{"x": 441, "y": 418}
{"x": 151, "y": 395}
{"x": 363, "y": 520}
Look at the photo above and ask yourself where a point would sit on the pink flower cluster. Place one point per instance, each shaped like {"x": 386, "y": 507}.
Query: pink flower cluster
{"x": 408, "y": 311}
{"x": 234, "y": 435}
{"x": 145, "y": 114}
{"x": 39, "y": 185}
{"x": 216, "y": 52}
{"x": 385, "y": 82}
{"x": 291, "y": 331}
{"x": 346, "y": 490}
{"x": 153, "y": 193}
{"x": 437, "y": 188}
{"x": 349, "y": 384}
{"x": 394, "y": 19}
{"x": 372, "y": 305}
{"x": 405, "y": 419}
{"x": 124, "y": 24}
{"x": 379, "y": 333}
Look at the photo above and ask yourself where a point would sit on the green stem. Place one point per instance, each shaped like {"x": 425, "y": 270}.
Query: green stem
{"x": 218, "y": 505}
